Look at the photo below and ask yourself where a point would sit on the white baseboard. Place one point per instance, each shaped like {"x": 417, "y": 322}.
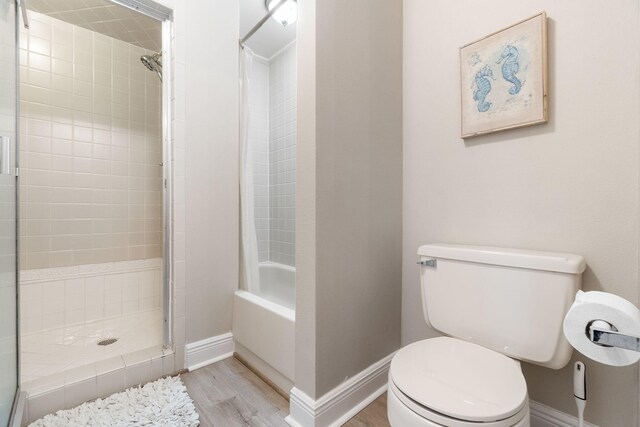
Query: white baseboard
{"x": 209, "y": 350}
{"x": 546, "y": 416}
{"x": 343, "y": 402}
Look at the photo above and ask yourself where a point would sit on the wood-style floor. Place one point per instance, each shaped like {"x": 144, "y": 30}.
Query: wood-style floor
{"x": 227, "y": 394}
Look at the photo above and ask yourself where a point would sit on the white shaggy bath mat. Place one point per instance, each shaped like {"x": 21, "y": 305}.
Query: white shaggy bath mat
{"x": 164, "y": 402}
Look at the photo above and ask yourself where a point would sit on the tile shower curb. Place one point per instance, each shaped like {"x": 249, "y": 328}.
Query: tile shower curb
{"x": 109, "y": 376}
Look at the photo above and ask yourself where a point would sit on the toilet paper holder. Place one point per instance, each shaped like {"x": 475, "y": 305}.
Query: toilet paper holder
{"x": 603, "y": 333}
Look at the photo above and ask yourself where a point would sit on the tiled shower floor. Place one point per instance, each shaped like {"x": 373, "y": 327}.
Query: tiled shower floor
{"x": 54, "y": 351}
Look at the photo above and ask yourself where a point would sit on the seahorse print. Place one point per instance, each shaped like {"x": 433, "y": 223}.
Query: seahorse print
{"x": 474, "y": 59}
{"x": 510, "y": 68}
{"x": 483, "y": 87}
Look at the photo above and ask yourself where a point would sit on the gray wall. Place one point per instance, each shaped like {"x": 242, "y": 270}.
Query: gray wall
{"x": 211, "y": 173}
{"x": 305, "y": 373}
{"x": 570, "y": 185}
{"x": 358, "y": 188}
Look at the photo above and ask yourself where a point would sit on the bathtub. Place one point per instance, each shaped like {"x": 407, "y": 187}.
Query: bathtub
{"x": 264, "y": 325}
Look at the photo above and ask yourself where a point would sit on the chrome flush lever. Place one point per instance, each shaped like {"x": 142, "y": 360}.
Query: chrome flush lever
{"x": 428, "y": 263}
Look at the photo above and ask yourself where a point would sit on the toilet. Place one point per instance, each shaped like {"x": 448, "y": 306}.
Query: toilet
{"x": 497, "y": 307}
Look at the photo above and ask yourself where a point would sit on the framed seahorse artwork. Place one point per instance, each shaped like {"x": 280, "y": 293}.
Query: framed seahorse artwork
{"x": 504, "y": 79}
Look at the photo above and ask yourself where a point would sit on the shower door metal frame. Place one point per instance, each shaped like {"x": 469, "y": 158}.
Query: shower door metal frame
{"x": 165, "y": 15}
{"x": 167, "y": 194}
{"x": 15, "y": 419}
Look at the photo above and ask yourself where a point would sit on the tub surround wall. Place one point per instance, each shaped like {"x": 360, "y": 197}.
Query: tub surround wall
{"x": 282, "y": 156}
{"x": 569, "y": 186}
{"x": 91, "y": 148}
{"x": 259, "y": 146}
{"x": 349, "y": 181}
{"x": 272, "y": 139}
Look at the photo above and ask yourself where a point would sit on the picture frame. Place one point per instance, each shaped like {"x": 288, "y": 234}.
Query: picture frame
{"x": 504, "y": 79}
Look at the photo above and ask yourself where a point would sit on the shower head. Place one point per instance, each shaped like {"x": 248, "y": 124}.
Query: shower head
{"x": 153, "y": 63}
{"x": 148, "y": 62}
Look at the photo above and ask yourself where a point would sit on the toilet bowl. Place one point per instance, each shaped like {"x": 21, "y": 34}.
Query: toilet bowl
{"x": 449, "y": 382}
{"x": 497, "y": 306}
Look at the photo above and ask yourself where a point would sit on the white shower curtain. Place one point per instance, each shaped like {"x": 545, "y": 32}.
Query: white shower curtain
{"x": 249, "y": 241}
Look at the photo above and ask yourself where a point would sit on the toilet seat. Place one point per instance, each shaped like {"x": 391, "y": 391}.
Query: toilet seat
{"x": 454, "y": 382}
{"x": 402, "y": 412}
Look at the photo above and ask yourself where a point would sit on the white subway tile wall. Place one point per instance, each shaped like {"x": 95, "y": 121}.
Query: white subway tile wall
{"x": 91, "y": 149}
{"x": 65, "y": 297}
{"x": 272, "y": 138}
{"x": 282, "y": 157}
{"x": 259, "y": 148}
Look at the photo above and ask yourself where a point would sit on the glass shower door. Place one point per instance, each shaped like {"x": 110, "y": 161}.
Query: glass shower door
{"x": 8, "y": 282}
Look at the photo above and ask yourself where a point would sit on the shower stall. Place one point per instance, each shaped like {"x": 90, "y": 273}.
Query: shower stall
{"x": 93, "y": 209}
{"x": 264, "y": 307}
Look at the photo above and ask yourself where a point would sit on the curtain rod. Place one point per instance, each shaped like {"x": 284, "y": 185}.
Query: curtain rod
{"x": 261, "y": 22}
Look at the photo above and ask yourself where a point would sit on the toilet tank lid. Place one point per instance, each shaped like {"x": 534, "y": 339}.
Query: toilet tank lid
{"x": 519, "y": 258}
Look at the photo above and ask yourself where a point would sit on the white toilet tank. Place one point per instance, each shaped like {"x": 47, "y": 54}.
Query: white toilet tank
{"x": 509, "y": 300}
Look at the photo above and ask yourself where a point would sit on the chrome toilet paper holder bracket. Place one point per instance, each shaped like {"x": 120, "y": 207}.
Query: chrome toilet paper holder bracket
{"x": 603, "y": 333}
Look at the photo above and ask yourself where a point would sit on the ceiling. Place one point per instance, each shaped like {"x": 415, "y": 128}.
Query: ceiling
{"x": 271, "y": 37}
{"x": 105, "y": 17}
